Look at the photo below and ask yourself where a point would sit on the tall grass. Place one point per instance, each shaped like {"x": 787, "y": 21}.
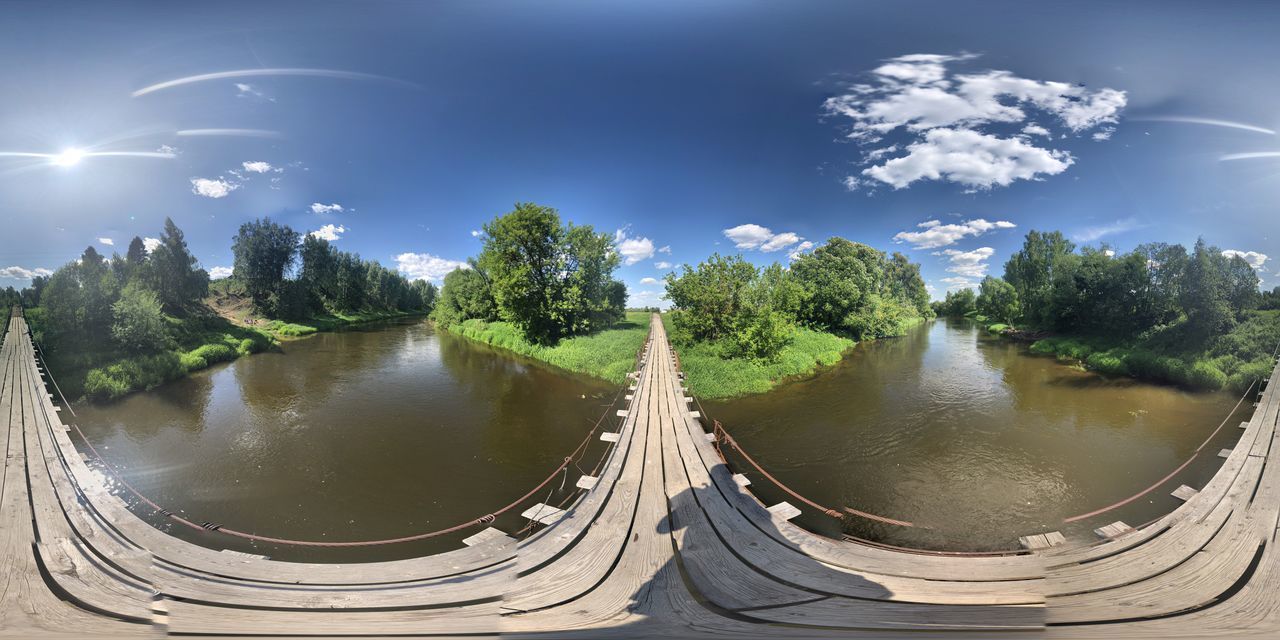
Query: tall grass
{"x": 709, "y": 374}
{"x": 607, "y": 354}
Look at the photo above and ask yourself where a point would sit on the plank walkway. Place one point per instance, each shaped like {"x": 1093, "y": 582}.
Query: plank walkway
{"x": 664, "y": 540}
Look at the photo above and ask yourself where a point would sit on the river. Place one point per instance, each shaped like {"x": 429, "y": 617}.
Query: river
{"x": 393, "y": 429}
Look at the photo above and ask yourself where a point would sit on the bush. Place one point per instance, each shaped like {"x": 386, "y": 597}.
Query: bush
{"x": 206, "y": 355}
{"x": 1108, "y": 362}
{"x": 137, "y": 321}
{"x": 142, "y": 372}
{"x": 1203, "y": 375}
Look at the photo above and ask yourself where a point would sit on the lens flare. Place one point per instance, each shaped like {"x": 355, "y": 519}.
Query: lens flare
{"x": 69, "y": 158}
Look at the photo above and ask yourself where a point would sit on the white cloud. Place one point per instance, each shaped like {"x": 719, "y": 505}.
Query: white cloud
{"x": 329, "y": 232}
{"x": 476, "y": 233}
{"x": 646, "y": 298}
{"x": 424, "y": 266}
{"x": 1103, "y": 135}
{"x": 665, "y": 249}
{"x": 21, "y": 273}
{"x": 958, "y": 283}
{"x": 246, "y": 90}
{"x": 217, "y": 273}
{"x": 754, "y": 236}
{"x": 1089, "y": 234}
{"x": 168, "y": 150}
{"x": 662, "y": 264}
{"x": 150, "y": 244}
{"x": 799, "y": 249}
{"x": 258, "y": 166}
{"x": 632, "y": 249}
{"x": 648, "y": 281}
{"x": 107, "y": 241}
{"x": 971, "y": 264}
{"x": 215, "y": 188}
{"x": 917, "y": 95}
{"x": 317, "y": 207}
{"x": 1255, "y": 259}
{"x": 974, "y": 159}
{"x": 935, "y": 234}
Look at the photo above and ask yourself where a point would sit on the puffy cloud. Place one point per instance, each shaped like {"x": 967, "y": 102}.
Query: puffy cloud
{"x": 934, "y": 234}
{"x": 754, "y": 236}
{"x": 632, "y": 249}
{"x": 424, "y": 266}
{"x": 21, "y": 273}
{"x": 150, "y": 244}
{"x": 1089, "y": 234}
{"x": 217, "y": 273}
{"x": 974, "y": 159}
{"x": 646, "y": 298}
{"x": 662, "y": 264}
{"x": 971, "y": 264}
{"x": 329, "y": 232}
{"x": 1255, "y": 259}
{"x": 648, "y": 281}
{"x": 917, "y": 96}
{"x": 212, "y": 188}
{"x": 317, "y": 207}
{"x": 107, "y": 241}
{"x": 799, "y": 249}
{"x": 258, "y": 166}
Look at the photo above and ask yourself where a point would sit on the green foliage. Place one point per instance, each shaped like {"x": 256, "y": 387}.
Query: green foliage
{"x": 607, "y": 354}
{"x": 957, "y": 304}
{"x": 139, "y": 372}
{"x": 264, "y": 251}
{"x": 548, "y": 279}
{"x": 170, "y": 270}
{"x": 465, "y": 295}
{"x": 838, "y": 279}
{"x": 998, "y": 300}
{"x": 138, "y": 322}
{"x": 712, "y": 374}
{"x": 713, "y": 297}
{"x": 1032, "y": 271}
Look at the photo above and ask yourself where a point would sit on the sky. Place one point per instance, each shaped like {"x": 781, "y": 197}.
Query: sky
{"x": 942, "y": 130}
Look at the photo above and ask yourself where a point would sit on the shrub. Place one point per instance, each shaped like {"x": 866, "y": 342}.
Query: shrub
{"x": 138, "y": 323}
{"x": 1203, "y": 375}
{"x": 1108, "y": 362}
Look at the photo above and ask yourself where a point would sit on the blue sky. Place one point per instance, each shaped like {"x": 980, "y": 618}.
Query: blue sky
{"x": 942, "y": 131}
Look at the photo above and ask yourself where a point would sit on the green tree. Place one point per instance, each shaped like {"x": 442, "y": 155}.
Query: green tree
{"x": 138, "y": 320}
{"x": 1205, "y": 294}
{"x": 711, "y": 297}
{"x": 264, "y": 251}
{"x": 902, "y": 280}
{"x": 523, "y": 258}
{"x": 1031, "y": 272}
{"x": 465, "y": 295}
{"x": 173, "y": 274}
{"x": 958, "y": 304}
{"x": 319, "y": 272}
{"x": 837, "y": 278}
{"x": 589, "y": 299}
{"x": 998, "y": 300}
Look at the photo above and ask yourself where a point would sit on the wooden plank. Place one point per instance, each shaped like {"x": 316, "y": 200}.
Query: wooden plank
{"x": 1112, "y": 530}
{"x": 741, "y": 480}
{"x": 711, "y": 436}
{"x": 1055, "y": 538}
{"x": 609, "y": 436}
{"x": 784, "y": 510}
{"x": 695, "y": 415}
{"x": 486, "y": 536}
{"x": 1034, "y": 541}
{"x": 622, "y": 413}
{"x": 587, "y": 482}
{"x": 543, "y": 514}
{"x": 1224, "y": 453}
{"x": 1184, "y": 493}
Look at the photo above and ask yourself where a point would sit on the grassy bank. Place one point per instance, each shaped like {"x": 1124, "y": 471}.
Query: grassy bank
{"x": 1231, "y": 361}
{"x": 709, "y": 374}
{"x": 220, "y": 331}
{"x": 608, "y": 354}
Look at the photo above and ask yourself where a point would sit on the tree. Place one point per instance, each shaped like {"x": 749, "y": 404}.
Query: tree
{"x": 319, "y": 272}
{"x": 1204, "y": 293}
{"x": 138, "y": 321}
{"x": 426, "y": 293}
{"x": 998, "y": 300}
{"x": 465, "y": 295}
{"x": 590, "y": 299}
{"x": 1031, "y": 272}
{"x": 523, "y": 258}
{"x": 838, "y": 279}
{"x": 264, "y": 251}
{"x": 173, "y": 274}
{"x": 137, "y": 253}
{"x": 958, "y": 304}
{"x": 711, "y": 297}
{"x": 902, "y": 280}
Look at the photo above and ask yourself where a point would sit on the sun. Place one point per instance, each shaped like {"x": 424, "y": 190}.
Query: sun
{"x": 68, "y": 157}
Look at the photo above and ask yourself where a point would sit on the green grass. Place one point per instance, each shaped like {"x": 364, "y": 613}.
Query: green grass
{"x": 607, "y": 354}
{"x": 1230, "y": 361}
{"x": 710, "y": 375}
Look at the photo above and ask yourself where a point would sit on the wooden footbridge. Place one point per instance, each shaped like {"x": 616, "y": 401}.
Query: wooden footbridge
{"x": 664, "y": 540}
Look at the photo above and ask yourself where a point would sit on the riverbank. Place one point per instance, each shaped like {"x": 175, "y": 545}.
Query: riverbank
{"x": 607, "y": 354}
{"x": 710, "y": 375}
{"x": 1231, "y": 361}
{"x": 204, "y": 338}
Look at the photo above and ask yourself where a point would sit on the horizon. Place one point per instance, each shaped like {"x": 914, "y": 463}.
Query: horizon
{"x": 398, "y": 133}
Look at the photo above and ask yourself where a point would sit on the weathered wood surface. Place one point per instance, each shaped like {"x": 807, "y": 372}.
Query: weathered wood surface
{"x": 666, "y": 539}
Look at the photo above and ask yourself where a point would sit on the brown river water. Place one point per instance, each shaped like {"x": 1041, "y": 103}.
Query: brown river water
{"x": 393, "y": 429}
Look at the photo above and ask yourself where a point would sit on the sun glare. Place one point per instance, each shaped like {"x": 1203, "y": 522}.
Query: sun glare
{"x": 69, "y": 157}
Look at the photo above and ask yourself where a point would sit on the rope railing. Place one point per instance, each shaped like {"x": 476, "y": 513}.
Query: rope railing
{"x": 486, "y": 519}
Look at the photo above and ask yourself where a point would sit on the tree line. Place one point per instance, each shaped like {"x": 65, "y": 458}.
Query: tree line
{"x": 842, "y": 287}
{"x": 325, "y": 279}
{"x": 548, "y": 278}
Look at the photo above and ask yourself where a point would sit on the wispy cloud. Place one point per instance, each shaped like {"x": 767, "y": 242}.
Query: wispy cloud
{"x": 1211, "y": 122}
{"x": 970, "y": 264}
{"x": 242, "y": 133}
{"x": 1089, "y": 234}
{"x": 259, "y": 73}
{"x": 317, "y": 207}
{"x": 259, "y": 166}
{"x": 22, "y": 273}
{"x": 1253, "y": 155}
